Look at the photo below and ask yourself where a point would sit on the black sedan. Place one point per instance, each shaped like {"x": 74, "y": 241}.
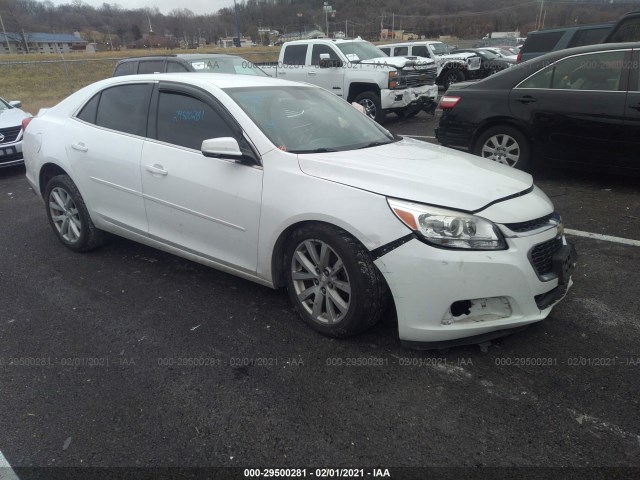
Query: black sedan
{"x": 576, "y": 107}
{"x": 490, "y": 63}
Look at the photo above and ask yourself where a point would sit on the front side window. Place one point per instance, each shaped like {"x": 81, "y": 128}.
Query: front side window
{"x": 420, "y": 51}
{"x": 295, "y": 55}
{"x": 186, "y": 121}
{"x": 385, "y": 50}
{"x": 175, "y": 67}
{"x": 226, "y": 64}
{"x": 402, "y": 51}
{"x": 596, "y": 71}
{"x": 125, "y": 108}
{"x": 319, "y": 48}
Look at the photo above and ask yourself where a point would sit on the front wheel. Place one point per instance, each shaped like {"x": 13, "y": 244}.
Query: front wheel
{"x": 451, "y": 76}
{"x": 372, "y": 105}
{"x": 332, "y": 282}
{"x": 506, "y": 145}
{"x": 68, "y": 215}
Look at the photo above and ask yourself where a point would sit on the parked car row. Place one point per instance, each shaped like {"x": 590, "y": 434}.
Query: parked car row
{"x": 574, "y": 107}
{"x": 11, "y": 117}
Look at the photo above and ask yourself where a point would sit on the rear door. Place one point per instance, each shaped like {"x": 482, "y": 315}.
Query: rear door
{"x": 104, "y": 142}
{"x": 575, "y": 108}
{"x": 294, "y": 59}
{"x": 632, "y": 116}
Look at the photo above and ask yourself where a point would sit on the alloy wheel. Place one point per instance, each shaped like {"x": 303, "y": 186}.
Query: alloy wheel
{"x": 321, "y": 281}
{"x": 65, "y": 215}
{"x": 503, "y": 149}
{"x": 369, "y": 107}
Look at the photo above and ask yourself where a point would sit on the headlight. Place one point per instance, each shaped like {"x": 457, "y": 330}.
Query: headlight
{"x": 448, "y": 228}
{"x": 396, "y": 80}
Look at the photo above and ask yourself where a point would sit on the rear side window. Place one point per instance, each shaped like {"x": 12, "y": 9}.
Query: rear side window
{"x": 542, "y": 42}
{"x": 295, "y": 55}
{"x": 627, "y": 31}
{"x": 589, "y": 36}
{"x": 186, "y": 121}
{"x": 401, "y": 51}
{"x": 125, "y": 108}
{"x": 151, "y": 66}
{"x": 597, "y": 71}
{"x": 125, "y": 68}
{"x": 89, "y": 111}
{"x": 420, "y": 51}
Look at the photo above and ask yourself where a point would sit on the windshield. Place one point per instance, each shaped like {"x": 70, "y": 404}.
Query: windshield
{"x": 4, "y": 105}
{"x": 235, "y": 65}
{"x": 439, "y": 48}
{"x": 357, "y": 51}
{"x": 487, "y": 54}
{"x": 308, "y": 120}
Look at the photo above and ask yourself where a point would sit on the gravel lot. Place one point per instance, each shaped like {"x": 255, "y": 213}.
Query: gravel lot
{"x": 130, "y": 357}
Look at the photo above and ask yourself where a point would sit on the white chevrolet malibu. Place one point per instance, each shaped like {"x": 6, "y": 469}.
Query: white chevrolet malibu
{"x": 287, "y": 185}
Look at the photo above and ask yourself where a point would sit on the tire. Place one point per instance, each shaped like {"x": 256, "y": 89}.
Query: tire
{"x": 504, "y": 144}
{"x": 68, "y": 216}
{"x": 371, "y": 102}
{"x": 451, "y": 76}
{"x": 332, "y": 281}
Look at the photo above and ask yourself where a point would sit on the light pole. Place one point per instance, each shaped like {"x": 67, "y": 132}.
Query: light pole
{"x": 300, "y": 24}
{"x": 235, "y": 8}
{"x": 327, "y": 10}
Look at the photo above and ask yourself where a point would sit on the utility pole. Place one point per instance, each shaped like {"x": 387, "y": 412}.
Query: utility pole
{"x": 235, "y": 7}
{"x": 5, "y": 35}
{"x": 540, "y": 16}
{"x": 393, "y": 25}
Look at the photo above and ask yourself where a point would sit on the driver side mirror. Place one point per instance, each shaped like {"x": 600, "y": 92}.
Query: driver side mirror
{"x": 225, "y": 147}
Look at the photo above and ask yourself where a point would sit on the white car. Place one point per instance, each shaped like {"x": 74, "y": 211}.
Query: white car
{"x": 11, "y": 117}
{"x": 502, "y": 53}
{"x": 286, "y": 184}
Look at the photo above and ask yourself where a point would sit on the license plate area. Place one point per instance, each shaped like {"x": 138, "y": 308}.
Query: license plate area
{"x": 564, "y": 261}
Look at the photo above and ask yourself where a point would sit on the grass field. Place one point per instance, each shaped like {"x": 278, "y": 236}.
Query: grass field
{"x": 41, "y": 81}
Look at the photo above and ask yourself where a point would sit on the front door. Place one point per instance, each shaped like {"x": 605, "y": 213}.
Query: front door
{"x": 206, "y": 206}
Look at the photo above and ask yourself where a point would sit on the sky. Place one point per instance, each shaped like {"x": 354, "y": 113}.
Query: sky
{"x": 199, "y": 7}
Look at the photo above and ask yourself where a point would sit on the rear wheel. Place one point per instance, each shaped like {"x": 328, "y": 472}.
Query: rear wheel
{"x": 332, "y": 282}
{"x": 372, "y": 105}
{"x": 506, "y": 145}
{"x": 68, "y": 216}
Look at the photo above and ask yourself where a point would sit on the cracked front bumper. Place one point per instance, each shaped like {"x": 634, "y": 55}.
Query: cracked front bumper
{"x": 402, "y": 99}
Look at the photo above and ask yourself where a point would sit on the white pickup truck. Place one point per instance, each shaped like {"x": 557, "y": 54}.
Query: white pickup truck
{"x": 452, "y": 67}
{"x": 358, "y": 71}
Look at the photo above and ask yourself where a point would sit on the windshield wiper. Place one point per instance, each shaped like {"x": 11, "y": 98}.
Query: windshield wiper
{"x": 374, "y": 144}
{"x": 315, "y": 150}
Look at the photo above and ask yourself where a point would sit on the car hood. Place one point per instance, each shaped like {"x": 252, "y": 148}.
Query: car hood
{"x": 457, "y": 56}
{"x": 12, "y": 117}
{"x": 398, "y": 62}
{"x": 420, "y": 172}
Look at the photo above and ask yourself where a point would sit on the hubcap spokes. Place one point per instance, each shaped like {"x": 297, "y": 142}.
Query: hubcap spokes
{"x": 65, "y": 215}
{"x": 502, "y": 149}
{"x": 321, "y": 281}
{"x": 369, "y": 107}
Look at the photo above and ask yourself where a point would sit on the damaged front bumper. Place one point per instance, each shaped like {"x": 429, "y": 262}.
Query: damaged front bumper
{"x": 452, "y": 297}
{"x": 410, "y": 100}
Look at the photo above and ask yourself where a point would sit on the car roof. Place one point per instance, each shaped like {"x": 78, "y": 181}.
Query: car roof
{"x": 572, "y": 27}
{"x": 219, "y": 80}
{"x": 194, "y": 56}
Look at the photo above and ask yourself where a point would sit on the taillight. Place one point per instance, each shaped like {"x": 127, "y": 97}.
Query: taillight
{"x": 25, "y": 122}
{"x": 519, "y": 57}
{"x": 447, "y": 102}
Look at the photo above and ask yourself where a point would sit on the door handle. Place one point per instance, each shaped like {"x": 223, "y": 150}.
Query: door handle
{"x": 527, "y": 99}
{"x": 79, "y": 147}
{"x": 157, "y": 169}
{"x": 312, "y": 72}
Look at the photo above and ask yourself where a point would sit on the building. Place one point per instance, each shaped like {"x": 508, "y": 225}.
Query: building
{"x": 17, "y": 43}
{"x": 229, "y": 42}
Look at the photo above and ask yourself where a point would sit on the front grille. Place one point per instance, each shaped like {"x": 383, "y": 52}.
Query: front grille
{"x": 10, "y": 158}
{"x": 10, "y": 134}
{"x": 521, "y": 227}
{"x": 420, "y": 77}
{"x": 541, "y": 256}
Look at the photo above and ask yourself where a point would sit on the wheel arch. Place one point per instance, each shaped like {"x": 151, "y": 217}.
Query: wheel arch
{"x": 494, "y": 122}
{"x": 278, "y": 266}
{"x": 357, "y": 88}
{"x": 47, "y": 172}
